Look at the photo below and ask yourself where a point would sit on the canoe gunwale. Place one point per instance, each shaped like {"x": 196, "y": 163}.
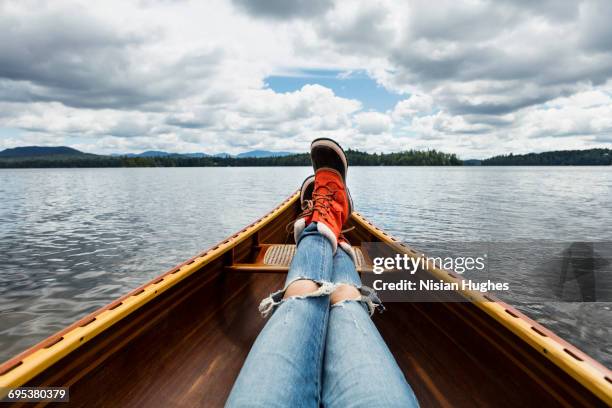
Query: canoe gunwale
{"x": 569, "y": 358}
{"x": 31, "y": 362}
{"x": 18, "y": 370}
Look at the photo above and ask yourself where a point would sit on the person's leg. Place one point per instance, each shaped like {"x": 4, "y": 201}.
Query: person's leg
{"x": 358, "y": 368}
{"x": 283, "y": 367}
{"x": 285, "y": 364}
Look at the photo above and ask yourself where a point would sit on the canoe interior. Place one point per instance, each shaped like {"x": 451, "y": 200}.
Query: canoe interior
{"x": 185, "y": 348}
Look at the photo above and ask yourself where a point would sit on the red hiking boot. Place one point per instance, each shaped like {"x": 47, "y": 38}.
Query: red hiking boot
{"x": 307, "y": 205}
{"x": 331, "y": 207}
{"x": 305, "y": 217}
{"x": 306, "y": 193}
{"x": 324, "y": 197}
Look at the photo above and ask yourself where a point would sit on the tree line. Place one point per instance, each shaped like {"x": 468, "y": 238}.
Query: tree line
{"x": 355, "y": 158}
{"x": 591, "y": 157}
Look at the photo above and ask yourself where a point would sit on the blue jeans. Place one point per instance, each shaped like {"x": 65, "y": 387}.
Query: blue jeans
{"x": 310, "y": 353}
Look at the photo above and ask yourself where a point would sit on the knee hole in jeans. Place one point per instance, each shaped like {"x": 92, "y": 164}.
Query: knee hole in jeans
{"x": 344, "y": 292}
{"x": 300, "y": 288}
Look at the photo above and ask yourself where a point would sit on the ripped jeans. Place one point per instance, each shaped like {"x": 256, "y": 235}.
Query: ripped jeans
{"x": 311, "y": 353}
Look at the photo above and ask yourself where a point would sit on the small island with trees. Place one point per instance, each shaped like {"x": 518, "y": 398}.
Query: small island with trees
{"x": 590, "y": 157}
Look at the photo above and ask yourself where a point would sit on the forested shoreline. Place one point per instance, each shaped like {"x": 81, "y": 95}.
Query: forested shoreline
{"x": 74, "y": 158}
{"x": 590, "y": 157}
{"x": 355, "y": 158}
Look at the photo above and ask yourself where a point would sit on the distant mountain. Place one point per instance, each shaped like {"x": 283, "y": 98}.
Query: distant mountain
{"x": 250, "y": 154}
{"x": 263, "y": 153}
{"x": 37, "y": 151}
{"x": 152, "y": 153}
{"x": 159, "y": 153}
{"x": 196, "y": 155}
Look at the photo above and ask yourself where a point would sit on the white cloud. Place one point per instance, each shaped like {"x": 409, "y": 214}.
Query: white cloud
{"x": 479, "y": 77}
{"x": 415, "y": 105}
{"x": 373, "y": 123}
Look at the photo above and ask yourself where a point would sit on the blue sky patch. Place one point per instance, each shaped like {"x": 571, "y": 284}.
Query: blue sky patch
{"x": 354, "y": 85}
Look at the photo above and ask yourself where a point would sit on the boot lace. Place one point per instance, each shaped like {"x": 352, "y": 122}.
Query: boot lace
{"x": 307, "y": 210}
{"x": 322, "y": 201}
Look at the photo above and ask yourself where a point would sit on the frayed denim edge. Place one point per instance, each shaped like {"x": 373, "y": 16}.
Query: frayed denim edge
{"x": 367, "y": 296}
{"x": 370, "y": 297}
{"x": 269, "y": 304}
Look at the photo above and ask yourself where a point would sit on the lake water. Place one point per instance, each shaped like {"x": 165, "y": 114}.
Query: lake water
{"x": 71, "y": 240}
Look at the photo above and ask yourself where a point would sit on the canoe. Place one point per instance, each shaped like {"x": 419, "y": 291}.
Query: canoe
{"x": 181, "y": 339}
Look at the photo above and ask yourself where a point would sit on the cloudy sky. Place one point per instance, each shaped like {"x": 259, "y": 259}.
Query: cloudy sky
{"x": 475, "y": 78}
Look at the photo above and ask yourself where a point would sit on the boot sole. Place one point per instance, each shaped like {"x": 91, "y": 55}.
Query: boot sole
{"x": 333, "y": 145}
